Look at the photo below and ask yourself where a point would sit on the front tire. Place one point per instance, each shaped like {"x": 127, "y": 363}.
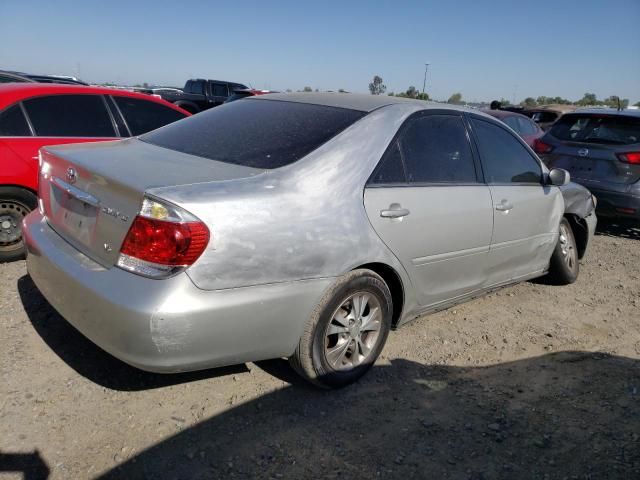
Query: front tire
{"x": 564, "y": 266}
{"x": 15, "y": 204}
{"x": 346, "y": 331}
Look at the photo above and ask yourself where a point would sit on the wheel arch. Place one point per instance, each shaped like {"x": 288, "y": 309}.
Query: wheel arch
{"x": 580, "y": 232}
{"x": 17, "y": 185}
{"x": 394, "y": 282}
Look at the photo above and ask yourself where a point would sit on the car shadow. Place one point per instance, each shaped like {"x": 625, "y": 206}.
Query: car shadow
{"x": 29, "y": 466}
{"x": 561, "y": 415}
{"x": 618, "y": 228}
{"x": 89, "y": 360}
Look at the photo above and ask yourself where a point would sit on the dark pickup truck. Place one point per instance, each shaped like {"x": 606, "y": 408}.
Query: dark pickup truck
{"x": 199, "y": 94}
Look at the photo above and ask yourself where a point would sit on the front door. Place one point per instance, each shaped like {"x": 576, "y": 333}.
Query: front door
{"x": 526, "y": 211}
{"x": 426, "y": 203}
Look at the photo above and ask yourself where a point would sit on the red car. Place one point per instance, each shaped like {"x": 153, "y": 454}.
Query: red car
{"x": 528, "y": 130}
{"x": 33, "y": 115}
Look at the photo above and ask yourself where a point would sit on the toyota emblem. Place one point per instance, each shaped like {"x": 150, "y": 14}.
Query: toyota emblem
{"x": 583, "y": 152}
{"x": 72, "y": 176}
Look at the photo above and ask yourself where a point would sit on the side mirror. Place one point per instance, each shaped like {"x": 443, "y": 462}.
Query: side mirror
{"x": 559, "y": 177}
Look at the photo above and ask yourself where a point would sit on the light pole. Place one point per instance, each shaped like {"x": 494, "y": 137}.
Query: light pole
{"x": 424, "y": 83}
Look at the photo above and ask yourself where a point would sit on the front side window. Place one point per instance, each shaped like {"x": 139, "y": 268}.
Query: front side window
{"x": 435, "y": 149}
{"x": 69, "y": 116}
{"x": 219, "y": 89}
{"x": 13, "y": 123}
{"x": 504, "y": 158}
{"x": 197, "y": 88}
{"x": 255, "y": 133}
{"x": 142, "y": 116}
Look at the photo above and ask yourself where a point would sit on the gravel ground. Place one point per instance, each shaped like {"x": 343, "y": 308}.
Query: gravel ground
{"x": 532, "y": 381}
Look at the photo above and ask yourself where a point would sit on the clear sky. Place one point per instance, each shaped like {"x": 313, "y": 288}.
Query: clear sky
{"x": 483, "y": 49}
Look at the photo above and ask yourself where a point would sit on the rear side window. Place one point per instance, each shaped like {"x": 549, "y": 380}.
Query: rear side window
{"x": 390, "y": 168}
{"x": 504, "y": 158}
{"x": 603, "y": 129}
{"x": 13, "y": 123}
{"x": 435, "y": 149}
{"x": 70, "y": 116}
{"x": 513, "y": 123}
{"x": 527, "y": 127}
{"x": 142, "y": 116}
{"x": 255, "y": 133}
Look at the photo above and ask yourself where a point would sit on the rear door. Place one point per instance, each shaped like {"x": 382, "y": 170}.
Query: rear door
{"x": 427, "y": 203}
{"x": 526, "y": 212}
{"x": 142, "y": 116}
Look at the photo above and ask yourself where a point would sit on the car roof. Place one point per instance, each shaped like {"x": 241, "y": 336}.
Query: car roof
{"x": 553, "y": 107}
{"x": 354, "y": 101}
{"x": 606, "y": 111}
{"x": 13, "y": 92}
{"x": 502, "y": 113}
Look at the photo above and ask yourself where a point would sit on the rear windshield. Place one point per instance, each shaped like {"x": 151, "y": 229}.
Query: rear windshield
{"x": 262, "y": 134}
{"x": 604, "y": 129}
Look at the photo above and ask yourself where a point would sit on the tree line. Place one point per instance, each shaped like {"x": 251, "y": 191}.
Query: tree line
{"x": 377, "y": 87}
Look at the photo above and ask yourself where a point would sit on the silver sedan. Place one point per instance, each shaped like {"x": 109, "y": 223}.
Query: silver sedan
{"x": 304, "y": 226}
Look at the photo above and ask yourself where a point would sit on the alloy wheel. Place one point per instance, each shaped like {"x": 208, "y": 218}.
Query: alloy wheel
{"x": 353, "y": 331}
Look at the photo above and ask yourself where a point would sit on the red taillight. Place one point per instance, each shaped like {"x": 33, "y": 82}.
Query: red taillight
{"x": 165, "y": 242}
{"x": 630, "y": 157}
{"x": 540, "y": 147}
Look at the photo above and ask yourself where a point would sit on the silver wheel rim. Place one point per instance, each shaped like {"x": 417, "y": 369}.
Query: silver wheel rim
{"x": 11, "y": 215}
{"x": 353, "y": 331}
{"x": 567, "y": 248}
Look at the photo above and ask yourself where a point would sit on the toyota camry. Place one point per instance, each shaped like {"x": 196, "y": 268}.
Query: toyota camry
{"x": 304, "y": 226}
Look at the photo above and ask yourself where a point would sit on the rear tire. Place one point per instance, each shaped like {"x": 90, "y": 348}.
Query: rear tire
{"x": 564, "y": 266}
{"x": 346, "y": 331}
{"x": 15, "y": 204}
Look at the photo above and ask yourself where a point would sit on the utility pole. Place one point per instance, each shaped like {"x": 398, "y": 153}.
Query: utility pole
{"x": 424, "y": 83}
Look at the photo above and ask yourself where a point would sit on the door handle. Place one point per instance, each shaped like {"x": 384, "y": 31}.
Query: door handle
{"x": 394, "y": 212}
{"x": 504, "y": 206}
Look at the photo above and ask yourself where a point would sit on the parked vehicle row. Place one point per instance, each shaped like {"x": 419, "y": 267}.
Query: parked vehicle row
{"x": 199, "y": 94}
{"x": 307, "y": 227}
{"x": 521, "y": 124}
{"x": 33, "y": 115}
{"x": 19, "y": 77}
{"x": 546, "y": 115}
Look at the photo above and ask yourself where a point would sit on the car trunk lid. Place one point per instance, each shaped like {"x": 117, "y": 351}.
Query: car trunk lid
{"x": 90, "y": 194}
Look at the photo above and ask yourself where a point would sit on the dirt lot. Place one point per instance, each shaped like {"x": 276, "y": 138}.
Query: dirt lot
{"x": 533, "y": 381}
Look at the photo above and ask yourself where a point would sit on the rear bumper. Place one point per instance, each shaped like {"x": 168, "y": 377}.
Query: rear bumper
{"x": 617, "y": 204}
{"x": 166, "y": 325}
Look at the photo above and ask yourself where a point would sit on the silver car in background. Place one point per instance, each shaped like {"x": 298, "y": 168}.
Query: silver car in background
{"x": 293, "y": 225}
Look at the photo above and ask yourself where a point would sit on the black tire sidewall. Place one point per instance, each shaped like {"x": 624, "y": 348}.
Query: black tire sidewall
{"x": 29, "y": 200}
{"x": 559, "y": 270}
{"x": 364, "y": 283}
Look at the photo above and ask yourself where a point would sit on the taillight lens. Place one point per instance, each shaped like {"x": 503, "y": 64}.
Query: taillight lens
{"x": 162, "y": 240}
{"x": 630, "y": 157}
{"x": 540, "y": 147}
